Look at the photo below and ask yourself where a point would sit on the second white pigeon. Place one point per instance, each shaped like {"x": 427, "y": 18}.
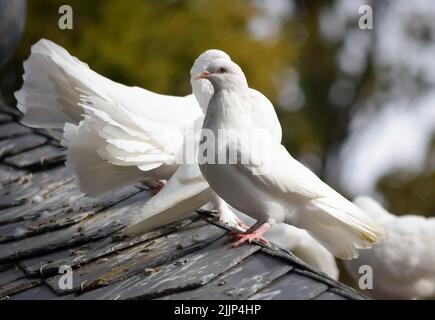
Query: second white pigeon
{"x": 403, "y": 266}
{"x": 115, "y": 135}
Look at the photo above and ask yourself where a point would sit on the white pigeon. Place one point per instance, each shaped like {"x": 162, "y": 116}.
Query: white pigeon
{"x": 303, "y": 246}
{"x": 187, "y": 190}
{"x": 116, "y": 135}
{"x": 404, "y": 265}
{"x": 272, "y": 187}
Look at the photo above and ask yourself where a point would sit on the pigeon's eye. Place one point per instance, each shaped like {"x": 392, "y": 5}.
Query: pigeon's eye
{"x": 222, "y": 70}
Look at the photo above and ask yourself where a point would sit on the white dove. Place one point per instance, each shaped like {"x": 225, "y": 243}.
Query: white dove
{"x": 272, "y": 187}
{"x": 305, "y": 247}
{"x": 116, "y": 135}
{"x": 187, "y": 190}
{"x": 404, "y": 265}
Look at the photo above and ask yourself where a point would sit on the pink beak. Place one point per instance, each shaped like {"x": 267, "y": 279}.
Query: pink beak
{"x": 202, "y": 75}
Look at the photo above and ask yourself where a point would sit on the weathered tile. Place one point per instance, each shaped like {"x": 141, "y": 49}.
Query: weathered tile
{"x": 347, "y": 292}
{"x": 6, "y": 266}
{"x": 292, "y": 287}
{"x": 49, "y": 264}
{"x": 4, "y": 108}
{"x": 34, "y": 188}
{"x": 9, "y": 174}
{"x": 58, "y": 199}
{"x": 43, "y": 157}
{"x": 147, "y": 255}
{"x": 58, "y": 202}
{"x": 94, "y": 228}
{"x": 16, "y": 286}
{"x": 40, "y": 292}
{"x": 191, "y": 271}
{"x": 75, "y": 207}
{"x": 335, "y": 285}
{"x": 23, "y": 143}
{"x": 13, "y": 129}
{"x": 328, "y": 295}
{"x": 10, "y": 275}
{"x": 244, "y": 280}
{"x": 4, "y": 117}
{"x": 55, "y": 135}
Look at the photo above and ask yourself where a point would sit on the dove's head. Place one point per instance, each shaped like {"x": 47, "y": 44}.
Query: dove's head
{"x": 203, "y": 90}
{"x": 224, "y": 74}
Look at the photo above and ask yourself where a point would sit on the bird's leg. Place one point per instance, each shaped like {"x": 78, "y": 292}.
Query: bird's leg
{"x": 224, "y": 215}
{"x": 232, "y": 221}
{"x": 241, "y": 225}
{"x": 253, "y": 233}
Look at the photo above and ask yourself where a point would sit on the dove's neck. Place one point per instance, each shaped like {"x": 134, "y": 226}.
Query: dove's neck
{"x": 226, "y": 110}
{"x": 203, "y": 91}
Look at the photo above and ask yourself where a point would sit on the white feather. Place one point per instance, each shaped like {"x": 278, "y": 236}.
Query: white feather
{"x": 185, "y": 192}
{"x": 96, "y": 177}
{"x": 138, "y": 130}
{"x": 403, "y": 265}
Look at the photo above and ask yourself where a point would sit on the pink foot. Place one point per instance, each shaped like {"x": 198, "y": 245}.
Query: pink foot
{"x": 241, "y": 238}
{"x": 242, "y": 225}
{"x": 217, "y": 216}
{"x": 251, "y": 234}
{"x": 155, "y": 190}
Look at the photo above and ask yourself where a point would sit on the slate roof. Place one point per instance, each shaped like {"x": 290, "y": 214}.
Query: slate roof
{"x": 45, "y": 222}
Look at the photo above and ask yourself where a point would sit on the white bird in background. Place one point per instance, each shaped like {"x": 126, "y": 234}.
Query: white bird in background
{"x": 116, "y": 135}
{"x": 287, "y": 191}
{"x": 303, "y": 246}
{"x": 403, "y": 265}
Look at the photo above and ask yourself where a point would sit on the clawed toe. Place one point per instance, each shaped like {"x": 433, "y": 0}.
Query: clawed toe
{"x": 232, "y": 236}
{"x": 241, "y": 238}
{"x": 241, "y": 225}
{"x": 217, "y": 216}
{"x": 155, "y": 190}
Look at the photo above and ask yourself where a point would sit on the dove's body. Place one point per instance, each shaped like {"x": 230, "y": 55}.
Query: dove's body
{"x": 283, "y": 191}
{"x": 404, "y": 265}
{"x": 257, "y": 202}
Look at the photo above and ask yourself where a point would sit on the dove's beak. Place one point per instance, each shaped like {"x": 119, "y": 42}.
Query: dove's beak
{"x": 202, "y": 75}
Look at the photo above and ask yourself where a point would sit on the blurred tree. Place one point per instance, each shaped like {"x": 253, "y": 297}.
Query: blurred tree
{"x": 411, "y": 192}
{"x": 153, "y": 43}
